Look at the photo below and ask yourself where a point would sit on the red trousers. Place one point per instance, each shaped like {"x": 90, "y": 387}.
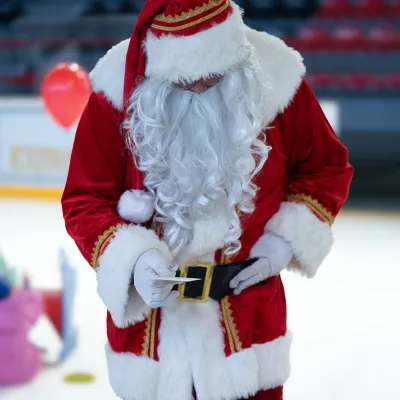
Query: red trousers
{"x": 274, "y": 394}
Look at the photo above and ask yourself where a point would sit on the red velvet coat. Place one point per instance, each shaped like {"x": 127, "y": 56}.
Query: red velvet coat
{"x": 234, "y": 348}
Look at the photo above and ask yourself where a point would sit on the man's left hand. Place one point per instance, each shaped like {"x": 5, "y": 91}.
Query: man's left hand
{"x": 273, "y": 253}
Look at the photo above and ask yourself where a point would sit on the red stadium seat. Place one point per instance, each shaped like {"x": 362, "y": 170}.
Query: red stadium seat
{"x": 348, "y": 38}
{"x": 358, "y": 81}
{"x": 393, "y": 8}
{"x": 323, "y": 80}
{"x": 334, "y": 8}
{"x": 312, "y": 38}
{"x": 369, "y": 8}
{"x": 383, "y": 38}
{"x": 390, "y": 82}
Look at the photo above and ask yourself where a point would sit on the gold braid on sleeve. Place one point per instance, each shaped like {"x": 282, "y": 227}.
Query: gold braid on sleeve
{"x": 313, "y": 204}
{"x": 101, "y": 243}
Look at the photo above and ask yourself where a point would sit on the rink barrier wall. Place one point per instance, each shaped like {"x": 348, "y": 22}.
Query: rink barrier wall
{"x": 33, "y": 193}
{"x": 34, "y": 150}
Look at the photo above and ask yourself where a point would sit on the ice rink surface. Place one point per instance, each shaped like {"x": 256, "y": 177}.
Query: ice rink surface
{"x": 346, "y": 321}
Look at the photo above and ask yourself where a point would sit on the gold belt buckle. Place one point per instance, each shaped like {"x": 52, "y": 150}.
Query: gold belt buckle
{"x": 207, "y": 282}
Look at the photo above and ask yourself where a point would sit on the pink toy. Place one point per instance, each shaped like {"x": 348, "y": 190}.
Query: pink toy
{"x": 20, "y": 360}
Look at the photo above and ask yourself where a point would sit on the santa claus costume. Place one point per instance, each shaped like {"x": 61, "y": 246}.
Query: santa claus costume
{"x": 231, "y": 185}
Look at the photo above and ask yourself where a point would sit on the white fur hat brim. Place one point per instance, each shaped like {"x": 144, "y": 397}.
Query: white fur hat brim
{"x": 188, "y": 58}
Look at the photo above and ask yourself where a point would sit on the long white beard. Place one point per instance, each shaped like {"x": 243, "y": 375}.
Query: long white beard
{"x": 199, "y": 150}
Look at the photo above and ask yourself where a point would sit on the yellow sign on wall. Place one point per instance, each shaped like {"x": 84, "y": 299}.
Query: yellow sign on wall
{"x": 38, "y": 160}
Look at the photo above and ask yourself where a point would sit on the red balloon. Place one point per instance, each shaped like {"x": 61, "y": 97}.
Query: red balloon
{"x": 65, "y": 92}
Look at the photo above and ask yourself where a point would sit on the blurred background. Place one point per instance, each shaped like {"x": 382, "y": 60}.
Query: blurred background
{"x": 345, "y": 320}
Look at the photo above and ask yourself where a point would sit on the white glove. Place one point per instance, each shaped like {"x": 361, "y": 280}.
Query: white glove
{"x": 273, "y": 253}
{"x": 148, "y": 268}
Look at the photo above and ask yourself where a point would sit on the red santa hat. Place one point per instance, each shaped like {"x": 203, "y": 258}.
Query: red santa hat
{"x": 185, "y": 40}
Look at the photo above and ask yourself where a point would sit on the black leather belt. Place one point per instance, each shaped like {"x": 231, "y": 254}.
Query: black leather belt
{"x": 214, "y": 280}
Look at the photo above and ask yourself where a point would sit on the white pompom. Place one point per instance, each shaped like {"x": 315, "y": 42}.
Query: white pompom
{"x": 136, "y": 206}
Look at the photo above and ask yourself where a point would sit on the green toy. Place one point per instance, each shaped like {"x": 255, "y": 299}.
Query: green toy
{"x": 7, "y": 272}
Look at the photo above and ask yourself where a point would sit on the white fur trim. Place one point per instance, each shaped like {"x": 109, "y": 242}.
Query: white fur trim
{"x": 188, "y": 58}
{"x": 108, "y": 75}
{"x": 281, "y": 71}
{"x": 215, "y": 376}
{"x": 136, "y": 206}
{"x": 311, "y": 239}
{"x": 132, "y": 377}
{"x": 192, "y": 348}
{"x": 116, "y": 265}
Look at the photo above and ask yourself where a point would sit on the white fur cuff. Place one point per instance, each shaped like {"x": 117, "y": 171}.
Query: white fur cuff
{"x": 311, "y": 239}
{"x": 115, "y": 269}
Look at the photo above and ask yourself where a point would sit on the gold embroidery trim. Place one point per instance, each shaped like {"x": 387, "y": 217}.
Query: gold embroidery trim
{"x": 171, "y": 19}
{"x": 314, "y": 204}
{"x": 153, "y": 333}
{"x": 235, "y": 344}
{"x": 149, "y": 339}
{"x": 228, "y": 330}
{"x": 190, "y": 24}
{"x": 233, "y": 335}
{"x": 147, "y": 332}
{"x": 103, "y": 239}
{"x": 105, "y": 244}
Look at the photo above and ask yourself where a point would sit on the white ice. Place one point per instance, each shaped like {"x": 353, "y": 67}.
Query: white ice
{"x": 346, "y": 321}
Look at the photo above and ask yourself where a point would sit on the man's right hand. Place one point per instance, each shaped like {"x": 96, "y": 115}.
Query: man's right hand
{"x": 150, "y": 266}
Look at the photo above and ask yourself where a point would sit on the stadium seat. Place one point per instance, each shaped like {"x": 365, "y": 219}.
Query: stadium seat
{"x": 108, "y": 6}
{"x": 393, "y": 8}
{"x": 312, "y": 38}
{"x": 359, "y": 81}
{"x": 135, "y": 5}
{"x": 354, "y": 82}
{"x": 323, "y": 80}
{"x": 348, "y": 38}
{"x": 338, "y": 54}
{"x": 50, "y": 8}
{"x": 383, "y": 38}
{"x": 390, "y": 82}
{"x": 295, "y": 8}
{"x": 334, "y": 8}
{"x": 262, "y": 7}
{"x": 369, "y": 8}
{"x": 31, "y": 28}
{"x": 241, "y": 3}
{"x": 16, "y": 74}
{"x": 9, "y": 10}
